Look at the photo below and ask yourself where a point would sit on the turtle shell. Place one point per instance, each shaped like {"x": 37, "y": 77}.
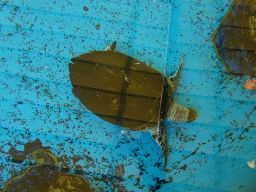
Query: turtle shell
{"x": 235, "y": 39}
{"x": 120, "y": 89}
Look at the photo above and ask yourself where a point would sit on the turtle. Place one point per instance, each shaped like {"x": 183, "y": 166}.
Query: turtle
{"x": 235, "y": 39}
{"x": 127, "y": 92}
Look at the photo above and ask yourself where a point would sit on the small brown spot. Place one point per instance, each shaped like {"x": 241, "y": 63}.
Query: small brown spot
{"x": 85, "y": 8}
{"x": 193, "y": 153}
{"x": 97, "y": 27}
{"x": 170, "y": 179}
{"x": 184, "y": 167}
{"x": 119, "y": 170}
{"x": 17, "y": 25}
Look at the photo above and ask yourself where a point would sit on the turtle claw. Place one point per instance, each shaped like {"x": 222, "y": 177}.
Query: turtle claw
{"x": 111, "y": 47}
{"x": 174, "y": 79}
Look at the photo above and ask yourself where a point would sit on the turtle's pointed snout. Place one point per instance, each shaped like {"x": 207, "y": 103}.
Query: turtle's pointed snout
{"x": 192, "y": 115}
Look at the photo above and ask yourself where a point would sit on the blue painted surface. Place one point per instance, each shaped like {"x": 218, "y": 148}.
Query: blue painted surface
{"x": 38, "y": 39}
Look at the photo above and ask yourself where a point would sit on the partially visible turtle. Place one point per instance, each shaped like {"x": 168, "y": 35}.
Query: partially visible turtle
{"x": 235, "y": 39}
{"x": 127, "y": 92}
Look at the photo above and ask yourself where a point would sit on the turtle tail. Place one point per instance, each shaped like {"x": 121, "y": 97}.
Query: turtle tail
{"x": 174, "y": 80}
{"x": 159, "y": 135}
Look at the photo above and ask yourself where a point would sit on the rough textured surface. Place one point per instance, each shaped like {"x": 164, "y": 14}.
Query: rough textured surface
{"x": 38, "y": 39}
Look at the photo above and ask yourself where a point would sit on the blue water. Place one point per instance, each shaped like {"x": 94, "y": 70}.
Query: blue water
{"x": 38, "y": 39}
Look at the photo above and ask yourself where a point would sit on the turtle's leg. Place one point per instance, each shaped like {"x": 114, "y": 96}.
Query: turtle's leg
{"x": 159, "y": 134}
{"x": 173, "y": 80}
{"x": 111, "y": 47}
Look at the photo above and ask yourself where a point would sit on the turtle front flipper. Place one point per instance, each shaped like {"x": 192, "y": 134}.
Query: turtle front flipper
{"x": 174, "y": 80}
{"x": 111, "y": 47}
{"x": 176, "y": 112}
{"x": 159, "y": 134}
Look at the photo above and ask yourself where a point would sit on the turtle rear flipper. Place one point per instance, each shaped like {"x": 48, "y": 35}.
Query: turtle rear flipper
{"x": 174, "y": 79}
{"x": 159, "y": 134}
